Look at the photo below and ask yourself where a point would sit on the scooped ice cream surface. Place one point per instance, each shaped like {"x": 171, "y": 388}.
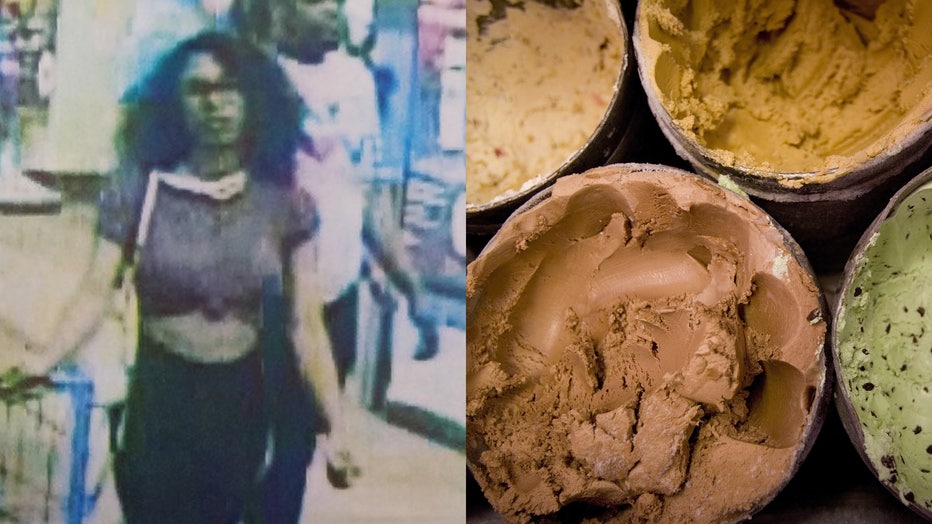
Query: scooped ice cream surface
{"x": 884, "y": 348}
{"x": 539, "y": 82}
{"x": 641, "y": 344}
{"x": 807, "y": 86}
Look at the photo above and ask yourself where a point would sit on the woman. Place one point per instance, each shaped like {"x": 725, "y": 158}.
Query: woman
{"x": 216, "y": 122}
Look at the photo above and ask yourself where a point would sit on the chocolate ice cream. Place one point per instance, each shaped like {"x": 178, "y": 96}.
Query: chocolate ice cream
{"x": 641, "y": 345}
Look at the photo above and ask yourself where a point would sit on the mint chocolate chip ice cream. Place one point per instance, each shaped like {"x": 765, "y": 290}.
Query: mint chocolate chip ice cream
{"x": 883, "y": 344}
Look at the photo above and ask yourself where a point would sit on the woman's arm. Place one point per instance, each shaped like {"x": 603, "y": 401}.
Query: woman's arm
{"x": 311, "y": 342}
{"x": 83, "y": 311}
{"x": 315, "y": 356}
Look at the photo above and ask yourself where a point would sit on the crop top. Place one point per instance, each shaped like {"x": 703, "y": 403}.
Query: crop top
{"x": 204, "y": 254}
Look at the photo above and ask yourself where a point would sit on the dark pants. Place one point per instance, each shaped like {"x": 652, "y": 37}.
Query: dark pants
{"x": 279, "y": 496}
{"x": 340, "y": 318}
{"x": 194, "y": 441}
{"x": 294, "y": 423}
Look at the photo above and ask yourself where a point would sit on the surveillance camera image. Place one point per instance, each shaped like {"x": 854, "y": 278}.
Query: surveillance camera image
{"x": 233, "y": 261}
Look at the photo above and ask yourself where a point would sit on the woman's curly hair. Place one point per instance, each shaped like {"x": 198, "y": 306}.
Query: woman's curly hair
{"x": 154, "y": 134}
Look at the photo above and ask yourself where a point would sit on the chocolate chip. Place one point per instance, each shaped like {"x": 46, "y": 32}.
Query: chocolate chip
{"x": 857, "y": 291}
{"x": 868, "y": 386}
{"x": 910, "y": 497}
{"x": 887, "y": 461}
{"x": 918, "y": 430}
{"x": 929, "y": 450}
{"x": 887, "y": 329}
{"x": 903, "y": 367}
{"x": 921, "y": 310}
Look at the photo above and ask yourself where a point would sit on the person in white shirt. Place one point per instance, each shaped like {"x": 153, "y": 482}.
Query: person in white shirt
{"x": 341, "y": 133}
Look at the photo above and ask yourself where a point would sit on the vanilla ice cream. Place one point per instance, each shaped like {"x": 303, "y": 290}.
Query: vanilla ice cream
{"x": 538, "y": 83}
{"x": 642, "y": 344}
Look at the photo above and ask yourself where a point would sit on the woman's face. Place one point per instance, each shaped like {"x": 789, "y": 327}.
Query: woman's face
{"x": 212, "y": 102}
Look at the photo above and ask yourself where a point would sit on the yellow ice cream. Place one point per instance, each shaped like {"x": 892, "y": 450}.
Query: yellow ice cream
{"x": 791, "y": 86}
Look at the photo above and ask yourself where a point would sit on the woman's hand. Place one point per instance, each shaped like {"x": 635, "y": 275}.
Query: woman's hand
{"x": 11, "y": 379}
{"x": 29, "y": 374}
{"x": 342, "y": 470}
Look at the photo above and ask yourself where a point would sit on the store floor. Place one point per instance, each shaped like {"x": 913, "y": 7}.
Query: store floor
{"x": 406, "y": 478}
{"x": 411, "y": 454}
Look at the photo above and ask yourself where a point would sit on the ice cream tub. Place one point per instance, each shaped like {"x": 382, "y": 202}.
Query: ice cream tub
{"x": 882, "y": 345}
{"x": 642, "y": 345}
{"x": 819, "y": 110}
{"x": 551, "y": 90}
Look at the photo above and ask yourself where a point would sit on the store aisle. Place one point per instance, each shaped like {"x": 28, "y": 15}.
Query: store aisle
{"x": 412, "y": 452}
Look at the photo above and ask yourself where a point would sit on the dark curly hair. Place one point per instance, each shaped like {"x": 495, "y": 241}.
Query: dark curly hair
{"x": 154, "y": 134}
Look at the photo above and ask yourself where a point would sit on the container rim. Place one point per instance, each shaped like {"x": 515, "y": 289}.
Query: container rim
{"x": 488, "y": 216}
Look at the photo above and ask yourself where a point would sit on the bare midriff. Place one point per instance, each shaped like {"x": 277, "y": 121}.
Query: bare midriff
{"x": 200, "y": 339}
